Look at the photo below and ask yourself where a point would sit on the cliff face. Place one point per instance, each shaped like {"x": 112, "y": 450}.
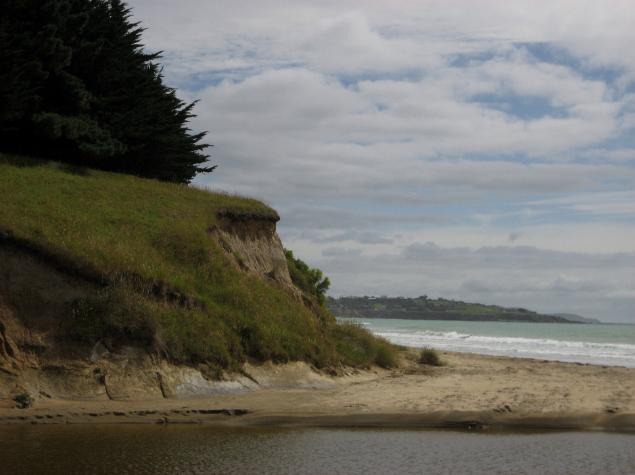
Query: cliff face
{"x": 254, "y": 245}
{"x": 37, "y": 301}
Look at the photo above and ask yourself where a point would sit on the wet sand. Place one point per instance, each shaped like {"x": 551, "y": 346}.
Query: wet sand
{"x": 469, "y": 391}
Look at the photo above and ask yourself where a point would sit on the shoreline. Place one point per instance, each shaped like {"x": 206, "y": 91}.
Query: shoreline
{"x": 470, "y": 392}
{"x": 569, "y": 348}
{"x": 229, "y": 418}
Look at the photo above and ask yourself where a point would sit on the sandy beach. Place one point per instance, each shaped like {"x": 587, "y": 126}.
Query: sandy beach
{"x": 469, "y": 391}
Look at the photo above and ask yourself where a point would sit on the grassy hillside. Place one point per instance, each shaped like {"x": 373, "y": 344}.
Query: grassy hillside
{"x": 423, "y": 308}
{"x": 163, "y": 281}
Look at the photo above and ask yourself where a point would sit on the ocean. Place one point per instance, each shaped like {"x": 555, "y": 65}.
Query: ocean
{"x": 602, "y": 344}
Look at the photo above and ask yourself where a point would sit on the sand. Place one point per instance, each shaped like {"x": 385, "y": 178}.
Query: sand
{"x": 469, "y": 391}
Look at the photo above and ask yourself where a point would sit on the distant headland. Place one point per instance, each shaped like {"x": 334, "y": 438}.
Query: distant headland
{"x": 424, "y": 308}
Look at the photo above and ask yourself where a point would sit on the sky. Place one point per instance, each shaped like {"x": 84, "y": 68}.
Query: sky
{"x": 471, "y": 149}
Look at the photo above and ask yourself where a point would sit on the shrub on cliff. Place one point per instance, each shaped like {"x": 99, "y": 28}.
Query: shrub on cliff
{"x": 307, "y": 279}
{"x": 77, "y": 86}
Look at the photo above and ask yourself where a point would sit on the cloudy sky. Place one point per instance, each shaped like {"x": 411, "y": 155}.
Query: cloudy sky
{"x": 480, "y": 150}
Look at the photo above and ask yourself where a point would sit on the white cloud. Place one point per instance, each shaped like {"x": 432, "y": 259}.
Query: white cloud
{"x": 424, "y": 118}
{"x": 347, "y": 44}
{"x": 597, "y": 31}
{"x": 373, "y": 126}
{"x": 602, "y": 203}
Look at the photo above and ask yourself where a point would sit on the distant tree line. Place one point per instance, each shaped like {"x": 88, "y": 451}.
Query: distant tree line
{"x": 77, "y": 86}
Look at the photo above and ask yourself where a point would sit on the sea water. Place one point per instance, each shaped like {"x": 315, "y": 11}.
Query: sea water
{"x": 603, "y": 344}
{"x": 193, "y": 449}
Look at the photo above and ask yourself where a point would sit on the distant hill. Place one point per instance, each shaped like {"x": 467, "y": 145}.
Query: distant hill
{"x": 572, "y": 317}
{"x": 424, "y": 308}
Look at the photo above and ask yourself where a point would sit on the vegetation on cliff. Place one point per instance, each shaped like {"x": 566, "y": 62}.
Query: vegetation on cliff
{"x": 307, "y": 279}
{"x": 160, "y": 279}
{"x": 424, "y": 308}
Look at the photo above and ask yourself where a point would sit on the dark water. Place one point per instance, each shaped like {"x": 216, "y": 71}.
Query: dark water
{"x": 201, "y": 450}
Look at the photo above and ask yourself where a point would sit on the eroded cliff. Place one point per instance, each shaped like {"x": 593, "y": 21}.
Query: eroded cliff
{"x": 113, "y": 286}
{"x": 253, "y": 243}
{"x": 39, "y": 358}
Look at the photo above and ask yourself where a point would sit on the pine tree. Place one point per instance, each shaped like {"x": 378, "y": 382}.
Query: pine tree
{"x": 77, "y": 86}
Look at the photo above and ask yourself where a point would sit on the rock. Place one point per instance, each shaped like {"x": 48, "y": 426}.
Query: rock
{"x": 98, "y": 352}
{"x": 23, "y": 400}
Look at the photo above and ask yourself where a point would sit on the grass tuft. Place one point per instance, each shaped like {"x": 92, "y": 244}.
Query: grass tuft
{"x": 361, "y": 348}
{"x": 430, "y": 356}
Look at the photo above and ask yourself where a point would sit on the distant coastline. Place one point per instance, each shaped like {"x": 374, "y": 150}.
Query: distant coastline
{"x": 424, "y": 308}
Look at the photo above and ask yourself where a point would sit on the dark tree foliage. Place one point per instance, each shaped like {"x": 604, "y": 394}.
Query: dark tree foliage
{"x": 76, "y": 86}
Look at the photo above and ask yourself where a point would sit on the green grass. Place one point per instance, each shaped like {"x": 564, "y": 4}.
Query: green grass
{"x": 137, "y": 236}
{"x": 114, "y": 223}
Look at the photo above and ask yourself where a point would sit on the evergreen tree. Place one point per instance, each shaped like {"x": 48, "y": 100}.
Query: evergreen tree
{"x": 76, "y": 86}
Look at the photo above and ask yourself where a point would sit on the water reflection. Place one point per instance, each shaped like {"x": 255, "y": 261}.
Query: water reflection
{"x": 207, "y": 450}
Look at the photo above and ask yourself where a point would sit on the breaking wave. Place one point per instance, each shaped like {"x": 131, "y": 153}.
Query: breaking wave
{"x": 613, "y": 354}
